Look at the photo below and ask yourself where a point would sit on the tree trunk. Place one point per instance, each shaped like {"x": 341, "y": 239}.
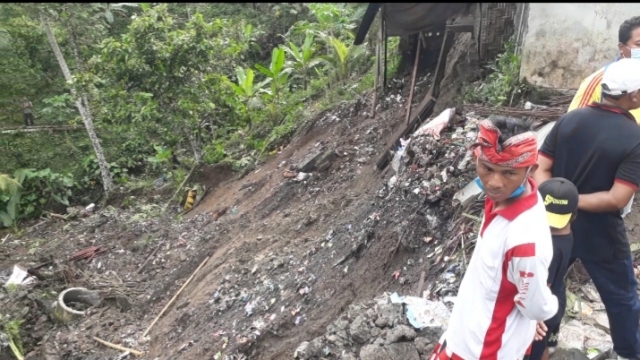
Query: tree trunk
{"x": 80, "y": 101}
{"x": 194, "y": 144}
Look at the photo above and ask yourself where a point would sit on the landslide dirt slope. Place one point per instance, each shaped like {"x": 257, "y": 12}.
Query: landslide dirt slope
{"x": 277, "y": 252}
{"x": 288, "y": 256}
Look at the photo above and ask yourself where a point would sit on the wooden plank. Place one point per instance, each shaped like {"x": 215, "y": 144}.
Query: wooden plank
{"x": 425, "y": 110}
{"x": 14, "y": 130}
{"x": 420, "y": 284}
{"x": 413, "y": 81}
{"x": 428, "y": 103}
{"x": 376, "y": 79}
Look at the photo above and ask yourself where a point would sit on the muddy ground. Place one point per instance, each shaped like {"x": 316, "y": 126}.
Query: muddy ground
{"x": 286, "y": 256}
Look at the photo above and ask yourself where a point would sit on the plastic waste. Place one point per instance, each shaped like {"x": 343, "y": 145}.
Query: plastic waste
{"x": 437, "y": 124}
{"x": 531, "y": 106}
{"x": 423, "y": 313}
{"x": 19, "y": 276}
{"x": 395, "y": 163}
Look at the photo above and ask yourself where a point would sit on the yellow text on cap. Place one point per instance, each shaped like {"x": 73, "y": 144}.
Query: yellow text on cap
{"x": 551, "y": 200}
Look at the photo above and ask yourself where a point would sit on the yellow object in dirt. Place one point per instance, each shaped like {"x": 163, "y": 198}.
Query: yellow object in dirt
{"x": 191, "y": 199}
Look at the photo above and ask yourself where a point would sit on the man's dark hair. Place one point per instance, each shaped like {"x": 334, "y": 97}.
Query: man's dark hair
{"x": 612, "y": 97}
{"x": 627, "y": 27}
{"x": 509, "y": 127}
{"x": 605, "y": 88}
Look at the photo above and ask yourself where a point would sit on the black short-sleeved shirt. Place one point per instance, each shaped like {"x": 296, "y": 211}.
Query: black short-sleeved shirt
{"x": 593, "y": 147}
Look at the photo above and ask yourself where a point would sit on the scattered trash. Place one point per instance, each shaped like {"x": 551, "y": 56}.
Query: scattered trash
{"x": 88, "y": 253}
{"x": 157, "y": 183}
{"x": 575, "y": 334}
{"x": 392, "y": 181}
{"x": 89, "y": 209}
{"x": 423, "y": 313}
{"x": 19, "y": 277}
{"x": 437, "y": 124}
{"x": 531, "y": 106}
{"x": 395, "y": 163}
{"x": 396, "y": 274}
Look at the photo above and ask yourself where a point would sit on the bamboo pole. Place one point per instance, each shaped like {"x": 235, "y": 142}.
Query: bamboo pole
{"x": 386, "y": 40}
{"x": 176, "y": 296}
{"x": 118, "y": 347}
{"x": 376, "y": 79}
{"x": 413, "y": 80}
{"x": 16, "y": 129}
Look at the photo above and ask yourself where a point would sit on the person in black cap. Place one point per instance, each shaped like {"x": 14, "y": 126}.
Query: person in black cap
{"x": 560, "y": 198}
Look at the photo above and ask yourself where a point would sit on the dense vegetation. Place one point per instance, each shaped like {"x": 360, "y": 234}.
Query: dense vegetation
{"x": 158, "y": 88}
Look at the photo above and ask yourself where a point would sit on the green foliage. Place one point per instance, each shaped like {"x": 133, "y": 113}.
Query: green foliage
{"x": 8, "y": 185}
{"x": 277, "y": 72}
{"x": 12, "y": 328}
{"x": 188, "y": 81}
{"x": 246, "y": 88}
{"x": 162, "y": 157}
{"x": 342, "y": 60}
{"x": 304, "y": 57}
{"x": 503, "y": 84}
{"x": 35, "y": 191}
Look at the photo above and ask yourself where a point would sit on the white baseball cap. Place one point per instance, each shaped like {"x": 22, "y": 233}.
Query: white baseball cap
{"x": 621, "y": 77}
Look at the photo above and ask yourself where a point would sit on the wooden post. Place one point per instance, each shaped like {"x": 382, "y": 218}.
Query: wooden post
{"x": 386, "y": 40}
{"x": 376, "y": 78}
{"x": 413, "y": 78}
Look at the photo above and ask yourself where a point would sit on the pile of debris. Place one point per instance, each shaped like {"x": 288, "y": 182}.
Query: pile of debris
{"x": 431, "y": 166}
{"x": 430, "y": 169}
{"x": 378, "y": 330}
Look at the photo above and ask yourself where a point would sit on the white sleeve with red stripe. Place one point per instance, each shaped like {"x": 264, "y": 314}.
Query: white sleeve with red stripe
{"x": 528, "y": 271}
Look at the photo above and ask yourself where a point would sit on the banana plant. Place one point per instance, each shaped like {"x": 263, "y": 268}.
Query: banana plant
{"x": 8, "y": 185}
{"x": 107, "y": 10}
{"x": 11, "y": 187}
{"x": 277, "y": 72}
{"x": 304, "y": 56}
{"x": 246, "y": 88}
{"x": 344, "y": 57}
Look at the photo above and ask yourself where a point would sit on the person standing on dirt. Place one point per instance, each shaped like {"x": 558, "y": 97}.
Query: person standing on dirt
{"x": 504, "y": 290}
{"x": 597, "y": 148}
{"x": 561, "y": 201}
{"x": 27, "y": 109}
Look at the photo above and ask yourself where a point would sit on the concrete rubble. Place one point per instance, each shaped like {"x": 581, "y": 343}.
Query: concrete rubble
{"x": 374, "y": 330}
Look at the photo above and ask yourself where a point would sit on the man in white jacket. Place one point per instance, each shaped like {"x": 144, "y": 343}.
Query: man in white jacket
{"x": 504, "y": 291}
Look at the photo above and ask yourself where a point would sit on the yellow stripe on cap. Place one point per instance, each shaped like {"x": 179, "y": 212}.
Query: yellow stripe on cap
{"x": 558, "y": 221}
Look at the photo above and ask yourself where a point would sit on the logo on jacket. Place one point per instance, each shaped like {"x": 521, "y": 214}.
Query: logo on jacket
{"x": 524, "y": 274}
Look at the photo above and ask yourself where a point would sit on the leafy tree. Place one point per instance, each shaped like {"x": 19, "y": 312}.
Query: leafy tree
{"x": 82, "y": 105}
{"x": 168, "y": 77}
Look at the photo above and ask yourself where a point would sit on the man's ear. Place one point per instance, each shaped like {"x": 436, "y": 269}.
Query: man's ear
{"x": 534, "y": 167}
{"x": 622, "y": 49}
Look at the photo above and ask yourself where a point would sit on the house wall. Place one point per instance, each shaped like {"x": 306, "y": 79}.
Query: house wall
{"x": 565, "y": 42}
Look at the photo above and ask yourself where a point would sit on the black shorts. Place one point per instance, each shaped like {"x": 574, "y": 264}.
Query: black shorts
{"x": 562, "y": 245}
